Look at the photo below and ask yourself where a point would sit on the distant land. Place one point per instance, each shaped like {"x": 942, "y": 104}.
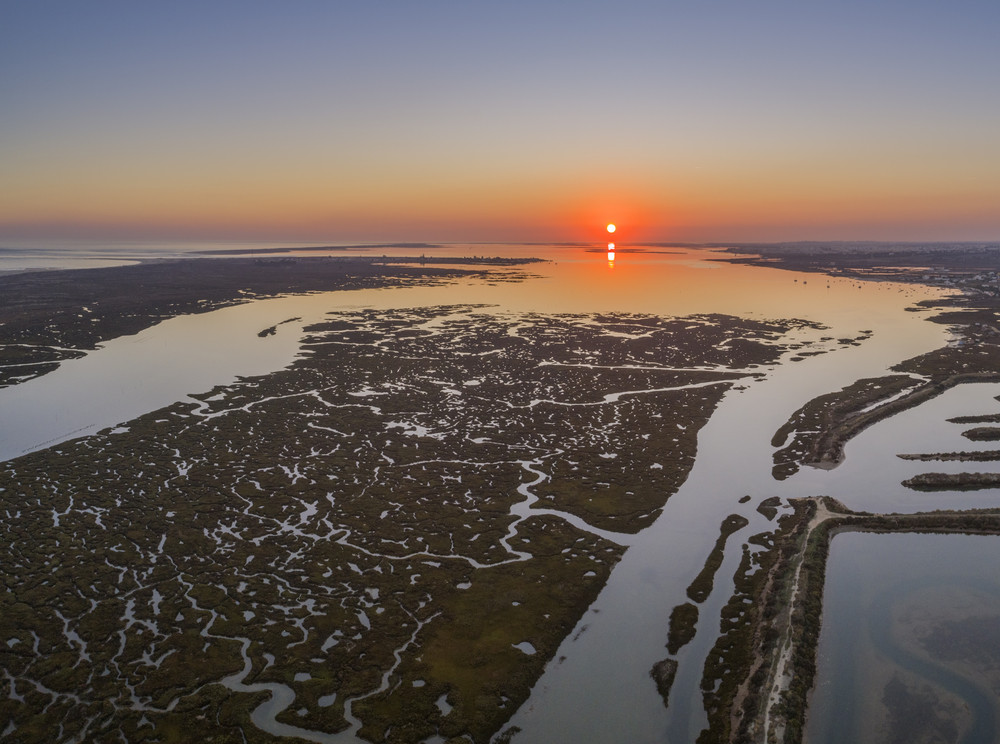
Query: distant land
{"x": 50, "y": 316}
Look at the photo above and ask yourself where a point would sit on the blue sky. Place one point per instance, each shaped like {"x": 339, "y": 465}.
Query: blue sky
{"x": 464, "y": 121}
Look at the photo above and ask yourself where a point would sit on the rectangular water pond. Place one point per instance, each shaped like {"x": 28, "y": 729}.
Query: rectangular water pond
{"x": 910, "y": 646}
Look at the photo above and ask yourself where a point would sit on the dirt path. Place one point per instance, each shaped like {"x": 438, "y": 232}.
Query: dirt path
{"x": 772, "y": 724}
{"x": 781, "y": 673}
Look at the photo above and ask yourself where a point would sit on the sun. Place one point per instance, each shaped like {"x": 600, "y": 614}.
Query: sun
{"x": 611, "y": 228}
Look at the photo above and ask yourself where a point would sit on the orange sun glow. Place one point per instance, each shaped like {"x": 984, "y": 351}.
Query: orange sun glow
{"x": 611, "y": 228}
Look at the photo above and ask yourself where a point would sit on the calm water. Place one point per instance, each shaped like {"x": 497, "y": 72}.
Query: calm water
{"x": 601, "y": 692}
{"x": 871, "y": 475}
{"x": 885, "y": 596}
{"x": 192, "y": 354}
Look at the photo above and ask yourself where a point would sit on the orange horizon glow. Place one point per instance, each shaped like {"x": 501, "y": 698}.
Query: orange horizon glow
{"x": 548, "y": 211}
{"x": 302, "y": 203}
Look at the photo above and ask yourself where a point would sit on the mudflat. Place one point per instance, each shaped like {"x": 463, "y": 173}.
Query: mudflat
{"x": 49, "y": 316}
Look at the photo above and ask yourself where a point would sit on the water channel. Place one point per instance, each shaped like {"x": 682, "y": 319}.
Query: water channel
{"x": 597, "y": 689}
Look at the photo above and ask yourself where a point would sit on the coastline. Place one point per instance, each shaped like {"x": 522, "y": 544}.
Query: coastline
{"x": 47, "y": 317}
{"x": 460, "y": 591}
{"x": 766, "y": 659}
{"x": 770, "y": 659}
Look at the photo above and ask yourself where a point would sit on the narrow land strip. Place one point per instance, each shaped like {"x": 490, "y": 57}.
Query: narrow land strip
{"x": 50, "y": 316}
{"x": 768, "y": 658}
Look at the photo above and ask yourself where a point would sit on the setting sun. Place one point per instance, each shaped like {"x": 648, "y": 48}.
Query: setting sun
{"x": 611, "y": 228}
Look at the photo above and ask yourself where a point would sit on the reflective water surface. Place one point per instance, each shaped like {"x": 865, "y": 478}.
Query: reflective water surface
{"x": 597, "y": 689}
{"x": 192, "y": 354}
{"x": 908, "y": 649}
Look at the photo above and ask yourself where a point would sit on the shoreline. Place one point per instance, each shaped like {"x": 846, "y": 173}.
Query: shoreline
{"x": 771, "y": 668}
{"x": 459, "y": 593}
{"x": 768, "y": 654}
{"x": 47, "y": 317}
{"x": 819, "y": 430}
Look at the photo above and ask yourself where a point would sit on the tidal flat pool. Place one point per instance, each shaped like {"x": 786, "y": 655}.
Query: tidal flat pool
{"x": 910, "y": 646}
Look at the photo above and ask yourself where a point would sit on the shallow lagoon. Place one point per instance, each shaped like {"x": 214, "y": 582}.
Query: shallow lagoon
{"x": 908, "y": 647}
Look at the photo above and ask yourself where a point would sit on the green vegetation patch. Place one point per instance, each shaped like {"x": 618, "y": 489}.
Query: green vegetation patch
{"x": 737, "y": 666}
{"x": 701, "y": 587}
{"x": 769, "y": 507}
{"x": 683, "y": 625}
{"x": 351, "y": 519}
{"x": 491, "y": 640}
{"x": 988, "y": 418}
{"x": 952, "y": 481}
{"x": 816, "y": 432}
{"x": 974, "y": 456}
{"x": 663, "y": 673}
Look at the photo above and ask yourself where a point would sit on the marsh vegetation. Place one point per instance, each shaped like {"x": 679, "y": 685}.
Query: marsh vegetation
{"x": 396, "y": 532}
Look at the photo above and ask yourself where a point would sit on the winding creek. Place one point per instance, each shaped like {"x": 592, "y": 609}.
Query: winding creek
{"x": 981, "y": 701}
{"x": 601, "y": 693}
{"x": 597, "y": 688}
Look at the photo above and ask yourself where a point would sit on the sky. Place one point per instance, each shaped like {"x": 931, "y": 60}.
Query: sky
{"x": 375, "y": 120}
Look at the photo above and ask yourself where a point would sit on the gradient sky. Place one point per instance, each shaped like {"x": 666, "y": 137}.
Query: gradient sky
{"x": 472, "y": 121}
